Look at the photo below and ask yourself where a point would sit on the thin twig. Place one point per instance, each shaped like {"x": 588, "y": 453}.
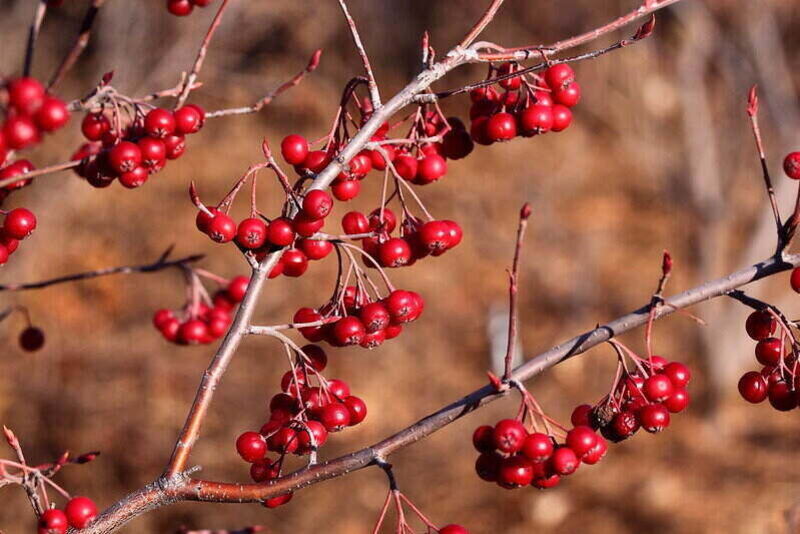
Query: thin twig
{"x": 513, "y": 288}
{"x": 81, "y": 42}
{"x": 33, "y": 36}
{"x": 374, "y": 94}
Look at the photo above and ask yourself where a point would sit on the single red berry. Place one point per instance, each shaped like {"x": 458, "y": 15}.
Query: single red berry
{"x": 395, "y": 252}
{"x": 221, "y": 228}
{"x": 568, "y": 95}
{"x": 251, "y": 233}
{"x": 17, "y": 168}
{"x": 453, "y": 529}
{"x": 313, "y": 429}
{"x": 284, "y": 441}
{"x": 657, "y": 388}
{"x": 295, "y": 263}
{"x": 581, "y": 440}
{"x": 515, "y": 471}
{"x": 52, "y": 115}
{"x": 456, "y": 233}
{"x": 315, "y": 249}
{"x": 457, "y": 144}
{"x": 188, "y": 120}
{"x": 346, "y": 190}
{"x": 559, "y": 75}
{"x": 309, "y": 315}
{"x": 538, "y": 447}
{"x": 251, "y": 446}
{"x": 562, "y": 118}
{"x": 31, "y": 339}
{"x": 581, "y": 415}
{"x": 280, "y": 232}
{"x": 94, "y": 126}
{"x": 509, "y": 436}
{"x": 80, "y": 511}
{"x": 53, "y": 521}
{"x": 511, "y": 84}
{"x": 678, "y": 374}
{"x": 678, "y": 401}
{"x": 294, "y": 149}
{"x": 159, "y": 123}
{"x": 175, "y": 145}
{"x": 564, "y": 461}
{"x": 278, "y": 501}
{"x": 318, "y": 360}
{"x": 769, "y": 350}
{"x": 264, "y": 469}
{"x": 154, "y": 152}
{"x": 501, "y": 127}
{"x": 192, "y": 332}
{"x": 335, "y": 416}
{"x": 435, "y": 235}
{"x": 348, "y": 331}
{"x": 403, "y": 306}
{"x": 124, "y": 157}
{"x": 317, "y": 204}
{"x": 753, "y": 387}
{"x": 25, "y": 95}
{"x": 431, "y": 168}
{"x": 382, "y": 221}
{"x": 483, "y": 438}
{"x": 760, "y": 324}
{"x": 597, "y": 452}
{"x": 654, "y": 417}
{"x": 353, "y": 222}
{"x": 781, "y": 396}
{"x": 21, "y": 132}
{"x": 487, "y": 466}
{"x": 134, "y": 178}
{"x": 624, "y": 424}
{"x": 375, "y": 316}
{"x": 316, "y": 160}
{"x": 406, "y": 166}
{"x": 791, "y": 165}
{"x": 357, "y": 409}
{"x": 19, "y": 223}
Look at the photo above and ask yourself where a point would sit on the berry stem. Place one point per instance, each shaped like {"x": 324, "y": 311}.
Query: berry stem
{"x": 33, "y": 35}
{"x": 80, "y": 44}
{"x": 374, "y": 94}
{"x": 513, "y": 288}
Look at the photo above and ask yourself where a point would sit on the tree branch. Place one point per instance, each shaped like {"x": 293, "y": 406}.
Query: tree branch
{"x": 81, "y": 42}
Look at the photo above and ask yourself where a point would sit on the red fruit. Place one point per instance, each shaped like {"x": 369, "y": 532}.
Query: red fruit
{"x": 159, "y": 123}
{"x": 80, "y": 511}
{"x": 678, "y": 401}
{"x": 317, "y": 204}
{"x": 221, "y": 228}
{"x": 317, "y": 358}
{"x": 294, "y": 149}
{"x": 338, "y": 388}
{"x": 154, "y": 152}
{"x": 251, "y": 233}
{"x": 564, "y": 461}
{"x": 280, "y": 232}
{"x": 403, "y": 306}
{"x": 294, "y": 262}
{"x": 26, "y": 95}
{"x": 657, "y": 388}
{"x": 501, "y": 127}
{"x": 791, "y": 165}
{"x": 347, "y": 190}
{"x": 372, "y": 340}
{"x": 192, "y": 332}
{"x": 581, "y": 415}
{"x": 188, "y": 120}
{"x": 538, "y": 447}
{"x": 251, "y": 446}
{"x": 52, "y": 115}
{"x": 360, "y": 165}
{"x": 263, "y": 470}
{"x": 17, "y": 168}
{"x": 306, "y": 227}
{"x": 431, "y": 168}
{"x": 581, "y": 440}
{"x": 94, "y": 126}
{"x": 678, "y": 374}
{"x": 483, "y": 438}
{"x": 562, "y": 118}
{"x": 654, "y": 417}
{"x": 536, "y": 119}
{"x": 760, "y": 324}
{"x": 284, "y": 441}
{"x": 382, "y": 222}
{"x": 53, "y": 521}
{"x": 353, "y": 222}
{"x": 124, "y": 157}
{"x": 510, "y": 84}
{"x": 435, "y": 235}
{"x": 348, "y": 331}
{"x": 559, "y": 75}
{"x": 395, "y": 252}
{"x": 315, "y": 249}
{"x": 484, "y": 93}
{"x": 453, "y": 529}
{"x": 406, "y": 166}
{"x": 19, "y": 223}
{"x": 456, "y": 234}
{"x": 457, "y": 144}
{"x": 309, "y": 315}
{"x": 487, "y": 466}
{"x": 781, "y": 396}
{"x": 335, "y": 416}
{"x": 568, "y": 95}
{"x": 20, "y": 132}
{"x": 31, "y": 339}
{"x": 175, "y": 146}
{"x": 278, "y": 501}
{"x": 375, "y": 316}
{"x": 515, "y": 472}
{"x": 180, "y": 8}
{"x": 316, "y": 161}
{"x": 135, "y": 178}
{"x": 753, "y": 387}
{"x": 768, "y": 351}
{"x": 509, "y": 436}
{"x": 357, "y": 409}
{"x": 236, "y": 288}
{"x": 597, "y": 452}
{"x": 624, "y": 424}
{"x": 315, "y": 429}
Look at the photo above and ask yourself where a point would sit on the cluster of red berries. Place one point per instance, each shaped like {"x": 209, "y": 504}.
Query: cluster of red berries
{"x": 131, "y": 154}
{"x": 778, "y": 380}
{"x": 353, "y": 318}
{"x": 301, "y": 417}
{"x": 530, "y": 104}
{"x": 416, "y": 239}
{"x": 17, "y": 225}
{"x": 644, "y": 398}
{"x": 182, "y": 8}
{"x": 261, "y": 237}
{"x": 198, "y": 322}
{"x": 30, "y": 113}
{"x": 78, "y": 513}
{"x": 513, "y": 457}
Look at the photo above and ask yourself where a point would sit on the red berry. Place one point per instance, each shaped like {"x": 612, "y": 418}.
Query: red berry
{"x": 221, "y": 228}
{"x": 538, "y": 447}
{"x": 457, "y": 144}
{"x": 431, "y": 168}
{"x": 295, "y": 263}
{"x": 559, "y": 75}
{"x": 568, "y": 95}
{"x": 188, "y": 120}
{"x": 597, "y": 452}
{"x": 280, "y": 232}
{"x": 263, "y": 470}
{"x": 346, "y": 190}
{"x": 124, "y": 157}
{"x": 278, "y": 501}
{"x": 348, "y": 331}
{"x": 678, "y": 401}
{"x": 654, "y": 417}
{"x": 315, "y": 429}
{"x": 192, "y": 332}
{"x": 316, "y": 355}
{"x": 515, "y": 472}
{"x": 791, "y": 165}
{"x": 511, "y": 84}
{"x": 509, "y": 436}
{"x": 487, "y": 466}
{"x": 453, "y": 529}
{"x": 135, "y": 178}
{"x": 19, "y": 223}
{"x": 316, "y": 161}
{"x": 175, "y": 145}
{"x": 781, "y": 396}
{"x": 768, "y": 351}
{"x": 317, "y": 204}
{"x": 385, "y": 221}
{"x": 581, "y": 415}
{"x": 564, "y": 461}
{"x": 20, "y": 132}
{"x": 760, "y": 324}
{"x": 678, "y": 374}
{"x": 657, "y": 388}
{"x": 237, "y": 288}
{"x": 375, "y": 316}
{"x": 335, "y": 416}
{"x": 581, "y": 440}
{"x": 94, "y": 126}
{"x": 536, "y": 119}
{"x": 753, "y": 387}
{"x": 17, "y": 168}
{"x": 251, "y": 446}
{"x": 501, "y": 127}
{"x": 357, "y": 409}
{"x": 294, "y": 149}
{"x": 53, "y": 521}
{"x": 154, "y": 152}
{"x": 284, "y": 441}
{"x": 354, "y": 222}
{"x": 395, "y": 252}
{"x": 80, "y": 511}
{"x": 403, "y": 306}
{"x": 251, "y": 233}
{"x": 159, "y": 123}
{"x": 31, "y": 339}
{"x": 624, "y": 424}
{"x": 315, "y": 249}
{"x": 180, "y": 8}
{"x": 25, "y": 95}
{"x": 483, "y": 439}
{"x": 52, "y": 115}
{"x": 562, "y": 118}
{"x": 309, "y": 315}
{"x": 435, "y": 235}
{"x": 406, "y": 166}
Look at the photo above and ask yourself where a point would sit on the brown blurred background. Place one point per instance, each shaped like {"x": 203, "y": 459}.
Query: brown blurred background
{"x": 659, "y": 156}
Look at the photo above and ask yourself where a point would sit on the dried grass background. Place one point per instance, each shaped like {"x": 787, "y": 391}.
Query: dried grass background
{"x": 659, "y": 156}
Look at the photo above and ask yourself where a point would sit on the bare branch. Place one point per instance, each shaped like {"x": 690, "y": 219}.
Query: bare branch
{"x": 81, "y": 42}
{"x": 374, "y": 94}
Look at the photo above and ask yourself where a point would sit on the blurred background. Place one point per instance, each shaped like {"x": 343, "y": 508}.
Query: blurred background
{"x": 659, "y": 156}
